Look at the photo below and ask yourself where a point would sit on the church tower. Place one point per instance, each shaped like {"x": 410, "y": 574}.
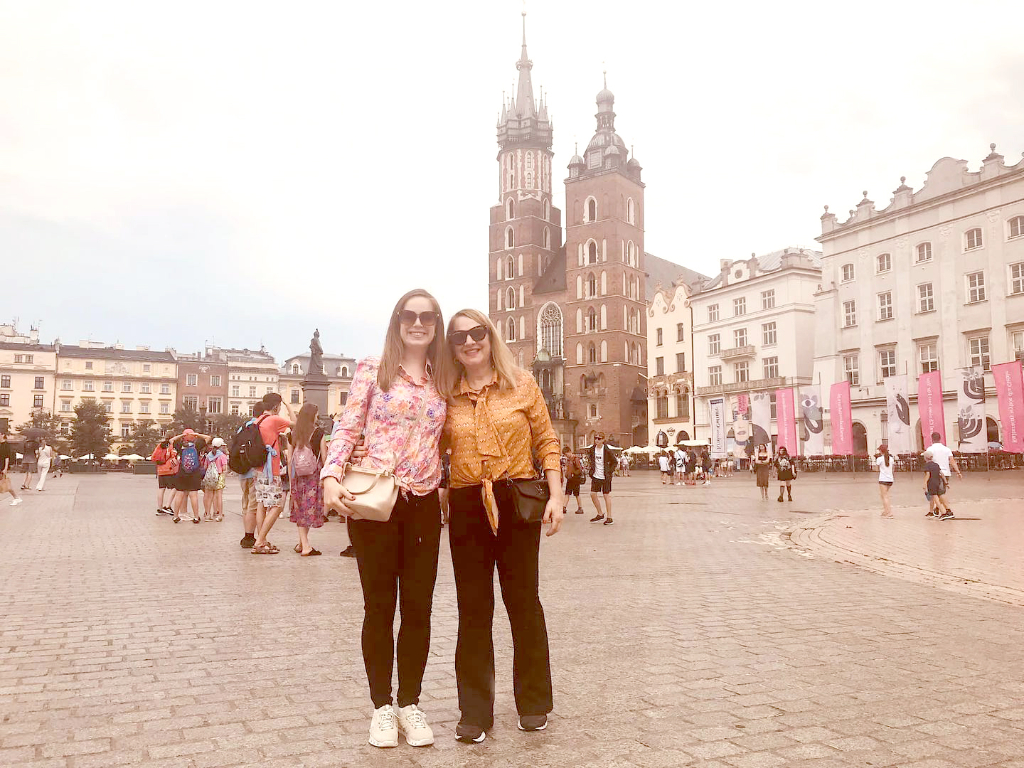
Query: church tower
{"x": 525, "y": 228}
{"x": 605, "y": 324}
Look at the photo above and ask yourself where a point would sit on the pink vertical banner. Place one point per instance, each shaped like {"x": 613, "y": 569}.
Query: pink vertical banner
{"x": 785, "y": 420}
{"x": 929, "y": 406}
{"x": 1010, "y": 392}
{"x": 742, "y": 403}
{"x": 841, "y": 416}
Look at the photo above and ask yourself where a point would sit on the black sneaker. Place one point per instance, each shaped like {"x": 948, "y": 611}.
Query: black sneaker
{"x": 161, "y": 511}
{"x": 533, "y": 722}
{"x": 247, "y": 541}
{"x": 348, "y": 551}
{"x": 469, "y": 733}
{"x": 609, "y": 521}
{"x": 597, "y": 519}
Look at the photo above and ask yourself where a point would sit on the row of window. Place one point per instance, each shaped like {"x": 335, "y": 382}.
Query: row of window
{"x": 510, "y": 238}
{"x": 741, "y": 371}
{"x": 5, "y": 400}
{"x": 5, "y": 382}
{"x": 590, "y": 211}
{"x": 126, "y": 407}
{"x": 975, "y": 290}
{"x": 510, "y": 209}
{"x": 682, "y": 407}
{"x": 541, "y": 174}
{"x": 192, "y": 380}
{"x": 973, "y": 239}
{"x": 660, "y": 339}
{"x": 340, "y": 370}
{"x": 928, "y": 357}
{"x": 659, "y": 364}
{"x": 769, "y": 338}
{"x": 24, "y": 358}
{"x": 145, "y": 387}
{"x": 739, "y": 306}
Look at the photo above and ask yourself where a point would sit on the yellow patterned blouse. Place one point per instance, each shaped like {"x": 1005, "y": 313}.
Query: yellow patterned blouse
{"x": 496, "y": 433}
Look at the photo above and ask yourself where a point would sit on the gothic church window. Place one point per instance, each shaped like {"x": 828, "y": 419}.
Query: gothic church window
{"x": 510, "y": 298}
{"x": 510, "y": 211}
{"x": 510, "y": 268}
{"x": 511, "y": 332}
{"x": 510, "y": 238}
{"x": 630, "y": 212}
{"x": 591, "y": 353}
{"x": 591, "y": 210}
{"x": 591, "y": 320}
{"x": 591, "y": 252}
{"x": 551, "y": 329}
{"x": 547, "y": 238}
{"x": 591, "y": 286}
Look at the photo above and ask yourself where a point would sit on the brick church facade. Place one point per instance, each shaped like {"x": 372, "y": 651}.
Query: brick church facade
{"x": 573, "y": 312}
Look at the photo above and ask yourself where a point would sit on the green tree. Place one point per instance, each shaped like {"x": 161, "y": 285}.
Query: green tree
{"x": 90, "y": 431}
{"x": 50, "y": 424}
{"x": 144, "y": 438}
{"x": 185, "y": 418}
{"x": 224, "y": 425}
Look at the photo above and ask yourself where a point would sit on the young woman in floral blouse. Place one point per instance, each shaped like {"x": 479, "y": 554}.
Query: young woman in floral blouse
{"x": 395, "y": 405}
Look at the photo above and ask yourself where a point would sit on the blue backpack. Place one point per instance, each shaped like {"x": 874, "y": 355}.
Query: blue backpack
{"x": 189, "y": 459}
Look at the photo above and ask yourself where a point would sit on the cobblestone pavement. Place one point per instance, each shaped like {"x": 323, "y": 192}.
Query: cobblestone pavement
{"x": 689, "y": 633}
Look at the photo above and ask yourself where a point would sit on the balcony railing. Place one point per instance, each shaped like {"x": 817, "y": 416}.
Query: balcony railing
{"x": 742, "y": 386}
{"x": 736, "y": 352}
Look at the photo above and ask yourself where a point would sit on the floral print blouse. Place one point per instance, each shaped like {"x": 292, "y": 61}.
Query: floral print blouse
{"x": 402, "y": 428}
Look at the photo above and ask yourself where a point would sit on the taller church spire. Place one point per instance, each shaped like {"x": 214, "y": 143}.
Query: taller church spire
{"x": 522, "y": 121}
{"x": 524, "y": 95}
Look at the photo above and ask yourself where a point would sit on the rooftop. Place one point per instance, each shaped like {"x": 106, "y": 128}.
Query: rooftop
{"x": 113, "y": 353}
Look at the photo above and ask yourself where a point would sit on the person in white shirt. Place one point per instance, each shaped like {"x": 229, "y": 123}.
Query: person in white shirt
{"x": 45, "y": 454}
{"x": 943, "y": 456}
{"x": 602, "y": 467}
{"x": 885, "y": 465}
{"x": 665, "y": 465}
{"x": 680, "y": 458}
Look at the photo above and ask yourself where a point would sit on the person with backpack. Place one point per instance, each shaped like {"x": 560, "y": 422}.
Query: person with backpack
{"x": 214, "y": 479}
{"x": 189, "y": 446}
{"x": 240, "y": 465}
{"x": 166, "y": 461}
{"x": 573, "y": 479}
{"x": 270, "y": 491}
{"x": 307, "y": 505}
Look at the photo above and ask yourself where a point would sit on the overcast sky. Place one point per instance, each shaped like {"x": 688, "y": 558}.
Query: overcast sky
{"x": 240, "y": 172}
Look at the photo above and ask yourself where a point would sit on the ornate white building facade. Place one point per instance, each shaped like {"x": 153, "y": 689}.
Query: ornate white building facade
{"x": 670, "y": 365}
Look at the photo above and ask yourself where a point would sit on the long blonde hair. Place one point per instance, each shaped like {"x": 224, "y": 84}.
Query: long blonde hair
{"x": 391, "y": 358}
{"x": 501, "y": 357}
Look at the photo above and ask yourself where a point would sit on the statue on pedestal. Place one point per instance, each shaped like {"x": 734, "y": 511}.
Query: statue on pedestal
{"x": 316, "y": 354}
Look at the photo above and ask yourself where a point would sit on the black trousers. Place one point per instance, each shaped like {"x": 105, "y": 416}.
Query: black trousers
{"x": 516, "y": 551}
{"x": 398, "y": 562}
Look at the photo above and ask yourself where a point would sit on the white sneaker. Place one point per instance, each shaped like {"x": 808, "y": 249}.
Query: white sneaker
{"x": 413, "y": 725}
{"x": 383, "y": 727}
{"x": 15, "y": 502}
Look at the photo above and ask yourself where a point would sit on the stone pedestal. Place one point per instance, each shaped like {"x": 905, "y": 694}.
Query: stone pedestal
{"x": 314, "y": 390}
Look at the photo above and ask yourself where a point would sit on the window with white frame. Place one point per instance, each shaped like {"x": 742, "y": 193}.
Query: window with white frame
{"x": 594, "y": 414}
{"x": 928, "y": 356}
{"x": 886, "y": 363}
{"x": 739, "y": 306}
{"x": 214, "y": 405}
{"x": 165, "y": 408}
{"x": 214, "y": 381}
{"x": 126, "y": 430}
{"x": 190, "y": 402}
{"x": 925, "y": 298}
{"x": 146, "y": 388}
{"x": 885, "y": 305}
{"x": 126, "y": 406}
{"x": 165, "y": 389}
{"x": 660, "y": 337}
{"x": 769, "y": 335}
{"x": 88, "y": 386}
{"x": 883, "y": 262}
{"x": 510, "y": 238}
{"x": 975, "y": 287}
{"x": 65, "y": 406}
{"x": 1017, "y": 277}
{"x": 591, "y": 320}
{"x": 680, "y": 332}
{"x": 511, "y": 329}
{"x": 714, "y": 343}
{"x": 977, "y": 348}
{"x": 849, "y": 313}
{"x": 973, "y": 239}
{"x": 234, "y": 409}
{"x": 126, "y": 386}
{"x": 191, "y": 379}
{"x": 66, "y": 384}
{"x": 146, "y": 368}
{"x": 235, "y": 392}
{"x": 5, "y": 400}
{"x": 851, "y": 365}
{"x": 252, "y": 391}
{"x": 741, "y": 372}
{"x": 510, "y": 298}
{"x": 659, "y": 366}
{"x": 37, "y": 401}
{"x": 1017, "y": 344}
{"x": 108, "y": 386}
{"x": 848, "y": 272}
{"x": 924, "y": 252}
{"x": 1015, "y": 227}
{"x": 771, "y": 367}
{"x": 591, "y": 286}
{"x": 712, "y": 313}
{"x": 739, "y": 337}
{"x": 715, "y": 376}
{"x": 768, "y": 299}
{"x": 144, "y": 406}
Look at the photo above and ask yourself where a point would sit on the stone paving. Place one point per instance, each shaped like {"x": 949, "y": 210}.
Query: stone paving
{"x": 692, "y": 632}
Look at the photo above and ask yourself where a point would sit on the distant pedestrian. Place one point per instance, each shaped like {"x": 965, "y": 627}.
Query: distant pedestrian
{"x": 251, "y": 510}
{"x": 708, "y": 467}
{"x": 6, "y": 460}
{"x": 691, "y": 468}
{"x": 935, "y": 487}
{"x": 45, "y": 455}
{"x": 943, "y": 456}
{"x": 29, "y": 457}
{"x": 602, "y": 468}
{"x": 885, "y": 466}
{"x": 166, "y": 461}
{"x": 270, "y": 492}
{"x": 214, "y": 478}
{"x": 761, "y": 465}
{"x": 665, "y": 463}
{"x": 679, "y": 460}
{"x": 573, "y": 479}
{"x": 786, "y": 472}
{"x": 624, "y": 465}
{"x": 307, "y": 506}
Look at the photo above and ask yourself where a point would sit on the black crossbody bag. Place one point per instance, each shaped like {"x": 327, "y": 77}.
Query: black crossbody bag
{"x": 530, "y": 498}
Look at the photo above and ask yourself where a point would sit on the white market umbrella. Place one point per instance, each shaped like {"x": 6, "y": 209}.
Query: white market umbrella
{"x": 64, "y": 458}
{"x": 87, "y": 457}
{"x": 112, "y": 457}
{"x": 133, "y": 457}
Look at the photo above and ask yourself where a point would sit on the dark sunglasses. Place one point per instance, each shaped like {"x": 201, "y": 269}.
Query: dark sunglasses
{"x": 599, "y": 438}
{"x": 477, "y": 333}
{"x": 408, "y": 317}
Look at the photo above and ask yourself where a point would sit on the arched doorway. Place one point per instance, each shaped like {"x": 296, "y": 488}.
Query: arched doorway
{"x": 991, "y": 430}
{"x": 860, "y": 439}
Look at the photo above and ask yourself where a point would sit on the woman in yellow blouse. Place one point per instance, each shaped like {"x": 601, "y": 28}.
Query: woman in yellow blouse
{"x": 498, "y": 429}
